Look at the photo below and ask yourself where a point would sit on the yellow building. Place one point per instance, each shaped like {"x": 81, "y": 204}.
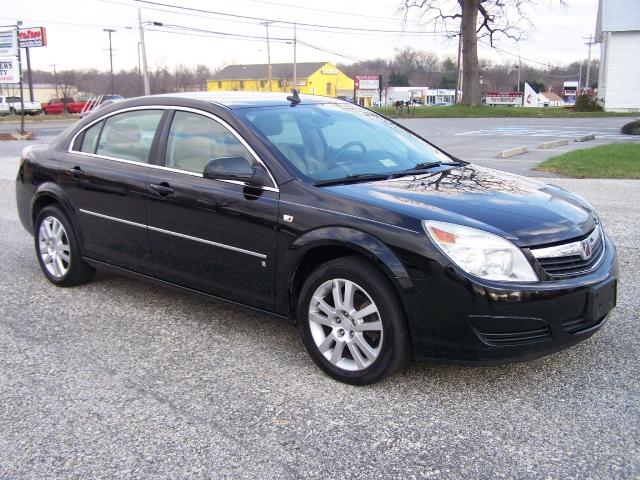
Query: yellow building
{"x": 316, "y": 78}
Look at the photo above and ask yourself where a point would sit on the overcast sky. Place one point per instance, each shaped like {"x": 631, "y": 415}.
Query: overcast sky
{"x": 76, "y": 38}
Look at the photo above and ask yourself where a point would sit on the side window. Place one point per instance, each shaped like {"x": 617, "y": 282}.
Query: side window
{"x": 129, "y": 135}
{"x": 90, "y": 140}
{"x": 195, "y": 139}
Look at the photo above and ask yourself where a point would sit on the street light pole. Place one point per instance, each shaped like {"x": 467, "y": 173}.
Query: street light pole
{"x": 110, "y": 31}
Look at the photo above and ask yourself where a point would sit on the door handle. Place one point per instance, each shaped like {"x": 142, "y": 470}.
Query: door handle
{"x": 75, "y": 172}
{"x": 163, "y": 189}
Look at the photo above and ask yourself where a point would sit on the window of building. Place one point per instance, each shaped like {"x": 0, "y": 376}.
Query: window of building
{"x": 129, "y": 135}
{"x": 279, "y": 83}
{"x": 241, "y": 83}
{"x": 219, "y": 84}
{"x": 262, "y": 83}
{"x": 195, "y": 139}
{"x": 329, "y": 88}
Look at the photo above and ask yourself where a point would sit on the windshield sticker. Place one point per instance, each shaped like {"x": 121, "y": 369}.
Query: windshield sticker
{"x": 387, "y": 162}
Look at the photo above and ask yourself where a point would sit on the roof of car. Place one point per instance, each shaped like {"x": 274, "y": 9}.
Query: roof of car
{"x": 235, "y": 100}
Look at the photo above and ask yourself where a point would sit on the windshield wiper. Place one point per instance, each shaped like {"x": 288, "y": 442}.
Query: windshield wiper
{"x": 429, "y": 165}
{"x": 354, "y": 178}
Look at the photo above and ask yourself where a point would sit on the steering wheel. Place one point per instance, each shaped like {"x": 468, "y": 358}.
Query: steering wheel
{"x": 347, "y": 146}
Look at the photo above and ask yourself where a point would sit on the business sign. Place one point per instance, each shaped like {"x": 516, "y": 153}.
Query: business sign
{"x": 8, "y": 43}
{"x": 300, "y": 83}
{"x": 32, "y": 37}
{"x": 9, "y": 70}
{"x": 367, "y": 82}
{"x": 329, "y": 71}
{"x": 503, "y": 98}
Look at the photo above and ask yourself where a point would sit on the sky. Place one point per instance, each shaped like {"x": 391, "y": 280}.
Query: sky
{"x": 76, "y": 38}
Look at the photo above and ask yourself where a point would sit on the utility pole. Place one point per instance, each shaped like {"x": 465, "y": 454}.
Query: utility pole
{"x": 295, "y": 64}
{"x": 266, "y": 24}
{"x": 589, "y": 42}
{"x": 579, "y": 80}
{"x": 145, "y": 71}
{"x": 459, "y": 79}
{"x": 110, "y": 31}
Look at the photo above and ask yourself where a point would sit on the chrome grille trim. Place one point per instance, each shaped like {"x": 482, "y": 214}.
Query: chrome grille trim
{"x": 573, "y": 258}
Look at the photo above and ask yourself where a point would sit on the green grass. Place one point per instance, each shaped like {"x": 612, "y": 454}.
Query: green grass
{"x": 37, "y": 118}
{"x": 617, "y": 160}
{"x": 461, "y": 111}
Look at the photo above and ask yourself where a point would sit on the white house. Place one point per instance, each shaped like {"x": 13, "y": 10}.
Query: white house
{"x": 550, "y": 99}
{"x": 618, "y": 32}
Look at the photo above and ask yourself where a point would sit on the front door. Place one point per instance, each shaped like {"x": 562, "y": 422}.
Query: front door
{"x": 104, "y": 178}
{"x": 210, "y": 235}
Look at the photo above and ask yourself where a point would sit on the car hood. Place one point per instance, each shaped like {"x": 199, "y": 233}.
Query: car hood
{"x": 525, "y": 211}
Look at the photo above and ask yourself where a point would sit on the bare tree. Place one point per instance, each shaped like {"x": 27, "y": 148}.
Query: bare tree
{"x": 66, "y": 80}
{"x": 476, "y": 19}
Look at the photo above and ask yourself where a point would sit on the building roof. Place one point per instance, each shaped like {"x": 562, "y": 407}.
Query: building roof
{"x": 551, "y": 96}
{"x": 259, "y": 71}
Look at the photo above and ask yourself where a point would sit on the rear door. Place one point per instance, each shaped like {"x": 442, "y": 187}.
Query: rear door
{"x": 211, "y": 235}
{"x": 104, "y": 176}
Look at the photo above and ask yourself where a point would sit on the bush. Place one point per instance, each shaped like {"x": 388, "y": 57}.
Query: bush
{"x": 585, "y": 103}
{"x": 631, "y": 128}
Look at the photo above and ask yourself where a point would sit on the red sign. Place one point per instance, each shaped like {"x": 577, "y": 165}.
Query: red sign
{"x": 32, "y": 37}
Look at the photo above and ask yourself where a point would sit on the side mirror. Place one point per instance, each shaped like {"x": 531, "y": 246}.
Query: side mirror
{"x": 236, "y": 168}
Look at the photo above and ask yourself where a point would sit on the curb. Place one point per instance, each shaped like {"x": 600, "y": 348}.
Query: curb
{"x": 554, "y": 143}
{"x": 511, "y": 152}
{"x": 585, "y": 138}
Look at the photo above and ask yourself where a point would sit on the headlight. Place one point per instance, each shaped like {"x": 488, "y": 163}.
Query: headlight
{"x": 480, "y": 253}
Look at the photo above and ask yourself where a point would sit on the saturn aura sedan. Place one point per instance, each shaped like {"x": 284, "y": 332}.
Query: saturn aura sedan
{"x": 380, "y": 246}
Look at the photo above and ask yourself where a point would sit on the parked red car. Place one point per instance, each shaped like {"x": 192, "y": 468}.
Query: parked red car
{"x": 55, "y": 106}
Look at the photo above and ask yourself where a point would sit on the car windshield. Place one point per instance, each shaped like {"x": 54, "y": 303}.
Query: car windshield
{"x": 339, "y": 140}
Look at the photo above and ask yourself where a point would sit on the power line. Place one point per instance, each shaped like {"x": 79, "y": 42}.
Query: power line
{"x": 288, "y": 22}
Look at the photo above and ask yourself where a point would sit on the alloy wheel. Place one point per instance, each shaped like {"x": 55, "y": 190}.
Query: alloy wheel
{"x": 345, "y": 324}
{"x": 54, "y": 247}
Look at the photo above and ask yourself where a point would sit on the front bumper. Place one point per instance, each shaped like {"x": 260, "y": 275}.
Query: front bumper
{"x": 457, "y": 319}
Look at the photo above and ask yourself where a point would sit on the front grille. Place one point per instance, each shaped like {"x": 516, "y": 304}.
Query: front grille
{"x": 522, "y": 337}
{"x": 566, "y": 259}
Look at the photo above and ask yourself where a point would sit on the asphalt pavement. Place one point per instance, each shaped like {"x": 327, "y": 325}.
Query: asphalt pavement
{"x": 122, "y": 379}
{"x": 479, "y": 140}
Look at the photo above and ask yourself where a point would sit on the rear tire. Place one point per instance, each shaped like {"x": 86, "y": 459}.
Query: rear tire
{"x": 57, "y": 249}
{"x": 352, "y": 323}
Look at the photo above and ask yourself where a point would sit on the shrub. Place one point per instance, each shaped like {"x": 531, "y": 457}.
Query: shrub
{"x": 631, "y": 128}
{"x": 585, "y": 103}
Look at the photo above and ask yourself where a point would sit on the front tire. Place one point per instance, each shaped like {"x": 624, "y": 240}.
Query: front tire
{"x": 57, "y": 249}
{"x": 352, "y": 323}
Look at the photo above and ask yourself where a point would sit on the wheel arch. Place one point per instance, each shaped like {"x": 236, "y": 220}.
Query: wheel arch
{"x": 321, "y": 245}
{"x": 50, "y": 193}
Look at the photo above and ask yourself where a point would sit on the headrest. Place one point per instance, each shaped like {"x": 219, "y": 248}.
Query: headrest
{"x": 268, "y": 123}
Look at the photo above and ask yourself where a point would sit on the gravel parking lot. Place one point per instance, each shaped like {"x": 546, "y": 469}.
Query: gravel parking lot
{"x": 120, "y": 379}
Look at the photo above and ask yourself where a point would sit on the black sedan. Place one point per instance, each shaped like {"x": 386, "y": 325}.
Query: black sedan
{"x": 377, "y": 244}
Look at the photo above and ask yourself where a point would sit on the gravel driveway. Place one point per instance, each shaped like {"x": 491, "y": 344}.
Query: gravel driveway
{"x": 120, "y": 379}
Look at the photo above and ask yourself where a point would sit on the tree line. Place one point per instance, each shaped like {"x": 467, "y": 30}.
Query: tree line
{"x": 412, "y": 67}
{"x": 407, "y": 67}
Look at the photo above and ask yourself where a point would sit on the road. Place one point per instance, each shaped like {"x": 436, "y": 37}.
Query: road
{"x": 478, "y": 140}
{"x": 473, "y": 139}
{"x": 120, "y": 379}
